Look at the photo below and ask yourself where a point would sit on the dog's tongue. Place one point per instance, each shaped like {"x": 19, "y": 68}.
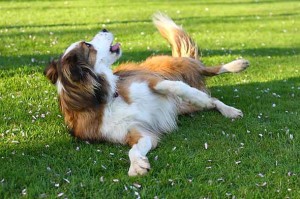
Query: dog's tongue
{"x": 115, "y": 47}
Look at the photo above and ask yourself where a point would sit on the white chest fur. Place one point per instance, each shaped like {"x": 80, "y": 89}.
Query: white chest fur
{"x": 150, "y": 113}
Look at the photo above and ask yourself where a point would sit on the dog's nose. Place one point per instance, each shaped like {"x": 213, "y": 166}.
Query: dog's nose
{"x": 104, "y": 30}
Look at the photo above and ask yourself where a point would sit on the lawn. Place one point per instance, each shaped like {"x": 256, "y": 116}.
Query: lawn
{"x": 257, "y": 156}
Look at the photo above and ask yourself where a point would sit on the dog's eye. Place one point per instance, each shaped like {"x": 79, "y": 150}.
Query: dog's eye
{"x": 88, "y": 44}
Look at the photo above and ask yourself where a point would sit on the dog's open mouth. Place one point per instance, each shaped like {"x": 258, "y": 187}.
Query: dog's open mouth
{"x": 115, "y": 48}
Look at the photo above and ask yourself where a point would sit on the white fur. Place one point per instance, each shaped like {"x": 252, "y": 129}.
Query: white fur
{"x": 150, "y": 113}
{"x": 105, "y": 58}
{"x": 59, "y": 86}
{"x": 160, "y": 20}
{"x": 102, "y": 43}
{"x": 70, "y": 48}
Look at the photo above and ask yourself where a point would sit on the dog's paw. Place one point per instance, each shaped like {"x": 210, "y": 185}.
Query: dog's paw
{"x": 236, "y": 66}
{"x": 233, "y": 113}
{"x": 242, "y": 64}
{"x": 139, "y": 166}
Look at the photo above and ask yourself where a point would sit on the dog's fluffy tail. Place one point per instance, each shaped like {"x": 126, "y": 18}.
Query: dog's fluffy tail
{"x": 182, "y": 44}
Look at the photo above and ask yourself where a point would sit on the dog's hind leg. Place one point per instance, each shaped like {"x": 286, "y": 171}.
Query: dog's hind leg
{"x": 235, "y": 66}
{"x": 185, "y": 92}
{"x": 194, "y": 99}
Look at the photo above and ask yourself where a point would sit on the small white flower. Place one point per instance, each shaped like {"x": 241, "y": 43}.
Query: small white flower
{"x": 136, "y": 193}
{"x": 137, "y": 185}
{"x": 238, "y": 162}
{"x": 262, "y": 184}
{"x": 101, "y": 179}
{"x": 261, "y": 175}
{"x": 205, "y": 145}
{"x": 24, "y": 192}
{"x": 220, "y": 179}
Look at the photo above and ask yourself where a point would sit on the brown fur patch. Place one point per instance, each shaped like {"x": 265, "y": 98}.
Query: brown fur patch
{"x": 172, "y": 68}
{"x": 51, "y": 71}
{"x": 132, "y": 137}
{"x": 90, "y": 53}
{"x": 85, "y": 125}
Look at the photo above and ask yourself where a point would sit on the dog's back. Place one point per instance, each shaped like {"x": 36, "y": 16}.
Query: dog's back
{"x": 184, "y": 64}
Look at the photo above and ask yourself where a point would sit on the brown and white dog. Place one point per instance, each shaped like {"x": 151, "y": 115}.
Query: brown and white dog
{"x": 137, "y": 102}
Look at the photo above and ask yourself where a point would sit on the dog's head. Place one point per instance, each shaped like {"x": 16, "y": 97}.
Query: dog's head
{"x": 79, "y": 72}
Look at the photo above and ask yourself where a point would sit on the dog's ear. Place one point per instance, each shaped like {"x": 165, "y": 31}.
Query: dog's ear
{"x": 51, "y": 71}
{"x": 73, "y": 64}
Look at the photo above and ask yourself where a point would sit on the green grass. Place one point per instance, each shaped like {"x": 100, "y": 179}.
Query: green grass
{"x": 254, "y": 157}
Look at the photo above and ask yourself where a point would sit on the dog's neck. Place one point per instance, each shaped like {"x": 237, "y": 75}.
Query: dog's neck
{"x": 110, "y": 77}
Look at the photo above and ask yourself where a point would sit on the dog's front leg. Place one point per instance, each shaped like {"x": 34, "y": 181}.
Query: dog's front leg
{"x": 139, "y": 164}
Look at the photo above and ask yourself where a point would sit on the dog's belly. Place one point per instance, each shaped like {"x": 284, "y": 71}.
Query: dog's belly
{"x": 149, "y": 112}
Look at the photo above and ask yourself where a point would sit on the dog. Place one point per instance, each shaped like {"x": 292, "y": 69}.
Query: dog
{"x": 136, "y": 103}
